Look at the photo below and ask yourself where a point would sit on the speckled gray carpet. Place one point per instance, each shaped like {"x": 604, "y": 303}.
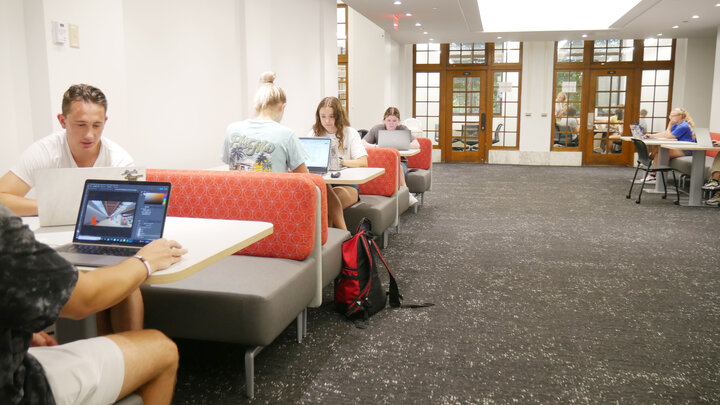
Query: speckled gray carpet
{"x": 549, "y": 287}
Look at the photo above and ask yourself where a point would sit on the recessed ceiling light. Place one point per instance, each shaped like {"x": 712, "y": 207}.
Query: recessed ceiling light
{"x": 717, "y": 4}
{"x": 660, "y": 34}
{"x": 676, "y": 26}
{"x": 408, "y": 14}
{"x": 695, "y": 16}
{"x": 499, "y": 37}
{"x": 417, "y": 24}
{"x": 432, "y": 39}
{"x": 584, "y": 35}
{"x": 425, "y": 32}
{"x": 397, "y": 2}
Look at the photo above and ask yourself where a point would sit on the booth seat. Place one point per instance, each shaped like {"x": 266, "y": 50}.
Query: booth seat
{"x": 419, "y": 179}
{"x": 379, "y": 197}
{"x": 683, "y": 164}
{"x": 250, "y": 297}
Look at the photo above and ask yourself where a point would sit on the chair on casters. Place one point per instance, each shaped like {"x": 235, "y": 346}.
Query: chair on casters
{"x": 645, "y": 163}
{"x": 496, "y": 134}
{"x": 362, "y": 133}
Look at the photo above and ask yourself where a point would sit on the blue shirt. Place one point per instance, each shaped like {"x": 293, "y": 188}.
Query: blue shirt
{"x": 682, "y": 132}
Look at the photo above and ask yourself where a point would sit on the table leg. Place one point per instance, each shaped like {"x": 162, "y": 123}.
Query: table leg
{"x": 697, "y": 174}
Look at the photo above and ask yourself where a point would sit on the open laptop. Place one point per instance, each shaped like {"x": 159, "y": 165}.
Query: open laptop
{"x": 702, "y": 136}
{"x": 116, "y": 219}
{"x": 318, "y": 150}
{"x": 399, "y": 139}
{"x": 637, "y": 131}
{"x": 58, "y": 191}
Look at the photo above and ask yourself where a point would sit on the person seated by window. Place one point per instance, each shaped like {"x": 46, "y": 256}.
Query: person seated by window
{"x": 568, "y": 128}
{"x": 38, "y": 286}
{"x": 391, "y": 121}
{"x": 643, "y": 120}
{"x": 331, "y": 121}
{"x": 713, "y": 183}
{"x": 79, "y": 144}
{"x": 262, "y": 144}
{"x": 681, "y": 128}
{"x": 561, "y": 109}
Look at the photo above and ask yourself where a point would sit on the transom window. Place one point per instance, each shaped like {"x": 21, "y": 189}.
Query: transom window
{"x": 507, "y": 52}
{"x": 427, "y": 54}
{"x": 467, "y": 53}
{"x": 570, "y": 51}
{"x": 613, "y": 50}
{"x": 657, "y": 49}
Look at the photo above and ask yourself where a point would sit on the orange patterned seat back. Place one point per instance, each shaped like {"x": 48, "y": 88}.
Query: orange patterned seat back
{"x": 389, "y": 159}
{"x": 422, "y": 160}
{"x": 286, "y": 200}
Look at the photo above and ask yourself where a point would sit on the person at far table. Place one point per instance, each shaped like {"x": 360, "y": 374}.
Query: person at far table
{"x": 79, "y": 144}
{"x": 331, "y": 121}
{"x": 38, "y": 287}
{"x": 681, "y": 128}
{"x": 391, "y": 121}
{"x": 714, "y": 183}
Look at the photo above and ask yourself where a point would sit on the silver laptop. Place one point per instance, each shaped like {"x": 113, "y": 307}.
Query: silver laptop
{"x": 318, "y": 150}
{"x": 58, "y": 191}
{"x": 399, "y": 139}
{"x": 116, "y": 219}
{"x": 702, "y": 136}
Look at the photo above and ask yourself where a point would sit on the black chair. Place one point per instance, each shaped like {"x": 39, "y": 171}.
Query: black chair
{"x": 644, "y": 162}
{"x": 362, "y": 133}
{"x": 496, "y": 134}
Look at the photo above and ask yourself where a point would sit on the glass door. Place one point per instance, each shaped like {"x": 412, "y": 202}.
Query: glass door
{"x": 607, "y": 119}
{"x": 466, "y": 122}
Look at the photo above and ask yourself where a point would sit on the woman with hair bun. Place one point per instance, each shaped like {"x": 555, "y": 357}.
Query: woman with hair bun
{"x": 261, "y": 144}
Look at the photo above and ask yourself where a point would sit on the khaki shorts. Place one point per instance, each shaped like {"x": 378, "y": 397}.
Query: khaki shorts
{"x": 89, "y": 371}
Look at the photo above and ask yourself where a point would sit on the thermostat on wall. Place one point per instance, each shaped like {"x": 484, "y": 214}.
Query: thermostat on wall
{"x": 59, "y": 33}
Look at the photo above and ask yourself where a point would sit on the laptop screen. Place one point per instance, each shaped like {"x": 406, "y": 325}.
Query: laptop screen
{"x": 319, "y": 151}
{"x": 122, "y": 212}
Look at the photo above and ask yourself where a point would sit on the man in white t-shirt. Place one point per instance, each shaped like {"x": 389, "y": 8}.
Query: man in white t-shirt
{"x": 83, "y": 119}
{"x": 79, "y": 144}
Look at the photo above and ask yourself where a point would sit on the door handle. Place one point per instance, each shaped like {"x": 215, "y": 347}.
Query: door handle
{"x": 482, "y": 122}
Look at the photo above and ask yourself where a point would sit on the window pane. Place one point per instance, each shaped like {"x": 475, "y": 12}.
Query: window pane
{"x": 663, "y": 77}
{"x": 433, "y": 108}
{"x": 661, "y": 93}
{"x": 433, "y": 94}
{"x": 434, "y": 79}
{"x": 420, "y": 109}
{"x": 421, "y": 79}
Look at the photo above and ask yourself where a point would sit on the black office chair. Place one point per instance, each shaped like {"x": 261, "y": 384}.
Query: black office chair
{"x": 645, "y": 162}
{"x": 362, "y": 133}
{"x": 496, "y": 134}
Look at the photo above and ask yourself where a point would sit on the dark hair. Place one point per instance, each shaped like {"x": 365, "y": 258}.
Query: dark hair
{"x": 341, "y": 120}
{"x": 85, "y": 93}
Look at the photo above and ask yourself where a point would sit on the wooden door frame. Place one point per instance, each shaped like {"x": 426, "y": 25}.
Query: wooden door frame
{"x": 446, "y": 122}
{"x": 632, "y": 98}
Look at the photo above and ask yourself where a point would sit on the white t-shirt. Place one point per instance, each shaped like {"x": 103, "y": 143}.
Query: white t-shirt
{"x": 353, "y": 147}
{"x": 53, "y": 151}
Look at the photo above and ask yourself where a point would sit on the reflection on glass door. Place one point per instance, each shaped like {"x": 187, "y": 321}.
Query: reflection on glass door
{"x": 607, "y": 119}
{"x": 466, "y": 140}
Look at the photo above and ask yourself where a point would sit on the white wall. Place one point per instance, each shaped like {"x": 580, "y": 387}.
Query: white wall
{"x": 380, "y": 73}
{"x": 693, "y": 78}
{"x": 16, "y": 125}
{"x": 176, "y": 72}
{"x": 715, "y": 103}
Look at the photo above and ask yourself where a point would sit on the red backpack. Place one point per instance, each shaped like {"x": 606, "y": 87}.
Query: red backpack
{"x": 358, "y": 289}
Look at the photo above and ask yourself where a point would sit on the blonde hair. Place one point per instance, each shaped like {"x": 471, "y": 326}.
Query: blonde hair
{"x": 685, "y": 116}
{"x": 268, "y": 94}
{"x": 341, "y": 120}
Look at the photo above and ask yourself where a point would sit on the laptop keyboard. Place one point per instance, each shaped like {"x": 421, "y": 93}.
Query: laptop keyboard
{"x": 99, "y": 250}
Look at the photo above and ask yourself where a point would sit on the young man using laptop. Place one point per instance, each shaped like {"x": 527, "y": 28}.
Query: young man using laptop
{"x": 79, "y": 144}
{"x": 39, "y": 286}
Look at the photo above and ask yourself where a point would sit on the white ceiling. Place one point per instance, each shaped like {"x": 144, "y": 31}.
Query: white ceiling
{"x": 459, "y": 21}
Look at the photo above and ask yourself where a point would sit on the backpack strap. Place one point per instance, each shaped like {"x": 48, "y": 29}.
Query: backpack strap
{"x": 394, "y": 292}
